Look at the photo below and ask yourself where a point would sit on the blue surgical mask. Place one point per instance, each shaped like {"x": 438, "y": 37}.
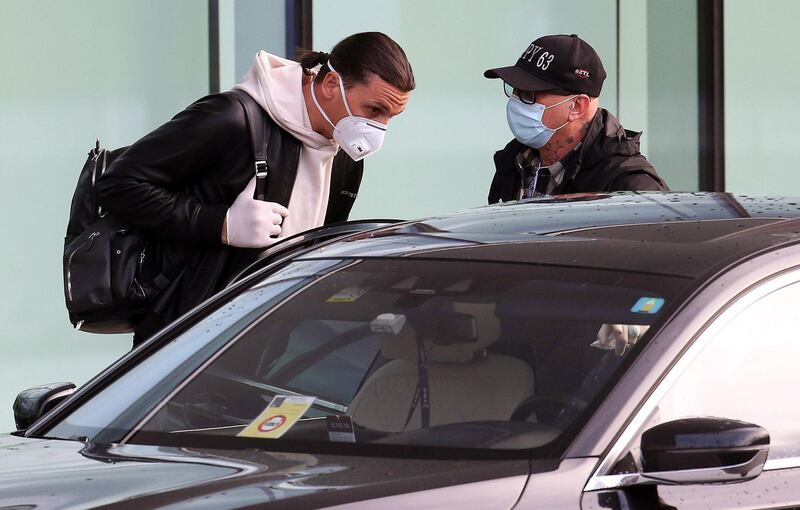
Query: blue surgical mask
{"x": 525, "y": 121}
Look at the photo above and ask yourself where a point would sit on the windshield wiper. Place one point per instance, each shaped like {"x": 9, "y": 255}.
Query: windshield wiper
{"x": 319, "y": 403}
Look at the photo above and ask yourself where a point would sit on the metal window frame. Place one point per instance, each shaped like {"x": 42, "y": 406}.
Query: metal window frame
{"x": 711, "y": 95}
{"x": 213, "y": 46}
{"x": 298, "y": 26}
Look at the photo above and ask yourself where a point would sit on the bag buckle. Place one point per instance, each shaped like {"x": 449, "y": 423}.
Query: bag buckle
{"x": 261, "y": 168}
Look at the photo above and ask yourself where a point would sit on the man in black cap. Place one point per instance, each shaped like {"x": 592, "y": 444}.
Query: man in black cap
{"x": 564, "y": 142}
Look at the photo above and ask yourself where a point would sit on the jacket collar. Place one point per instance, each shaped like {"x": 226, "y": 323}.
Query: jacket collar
{"x": 606, "y": 137}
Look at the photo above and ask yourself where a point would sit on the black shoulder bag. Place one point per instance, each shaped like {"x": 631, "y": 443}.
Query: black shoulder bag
{"x": 105, "y": 287}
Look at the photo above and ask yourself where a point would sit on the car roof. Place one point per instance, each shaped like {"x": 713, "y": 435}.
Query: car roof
{"x": 678, "y": 234}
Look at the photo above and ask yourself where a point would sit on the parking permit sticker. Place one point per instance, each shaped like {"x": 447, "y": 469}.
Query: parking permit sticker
{"x": 340, "y": 429}
{"x": 280, "y": 415}
{"x": 347, "y": 295}
{"x": 648, "y": 305}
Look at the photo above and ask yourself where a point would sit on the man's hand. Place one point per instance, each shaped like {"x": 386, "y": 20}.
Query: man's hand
{"x": 619, "y": 337}
{"x": 252, "y": 223}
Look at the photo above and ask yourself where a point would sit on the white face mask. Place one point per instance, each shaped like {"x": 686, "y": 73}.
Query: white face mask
{"x": 357, "y": 136}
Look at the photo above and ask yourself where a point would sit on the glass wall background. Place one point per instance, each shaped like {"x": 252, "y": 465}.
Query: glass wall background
{"x": 72, "y": 72}
{"x": 438, "y": 154}
{"x": 762, "y": 77}
{"x": 672, "y": 91}
{"x": 247, "y": 26}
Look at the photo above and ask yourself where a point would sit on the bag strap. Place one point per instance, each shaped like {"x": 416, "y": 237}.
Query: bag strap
{"x": 259, "y": 139}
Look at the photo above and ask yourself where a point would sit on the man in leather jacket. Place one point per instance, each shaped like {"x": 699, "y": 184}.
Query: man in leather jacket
{"x": 564, "y": 142}
{"x": 190, "y": 183}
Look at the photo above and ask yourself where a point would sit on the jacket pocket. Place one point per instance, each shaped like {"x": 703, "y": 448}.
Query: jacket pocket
{"x": 87, "y": 272}
{"x": 127, "y": 258}
{"x": 102, "y": 270}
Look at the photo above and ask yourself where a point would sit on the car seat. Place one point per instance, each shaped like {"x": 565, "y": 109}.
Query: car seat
{"x": 466, "y": 383}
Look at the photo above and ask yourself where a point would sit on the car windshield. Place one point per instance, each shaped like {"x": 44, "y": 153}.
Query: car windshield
{"x": 411, "y": 352}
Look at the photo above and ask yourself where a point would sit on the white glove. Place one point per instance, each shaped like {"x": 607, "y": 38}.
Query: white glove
{"x": 252, "y": 223}
{"x": 618, "y": 337}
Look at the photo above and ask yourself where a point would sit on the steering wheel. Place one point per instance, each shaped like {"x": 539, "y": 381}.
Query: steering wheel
{"x": 566, "y": 408}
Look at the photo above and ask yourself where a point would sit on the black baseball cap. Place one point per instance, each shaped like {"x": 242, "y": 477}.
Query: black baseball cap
{"x": 555, "y": 62}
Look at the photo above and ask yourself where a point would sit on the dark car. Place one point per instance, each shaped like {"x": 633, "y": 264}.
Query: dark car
{"x": 628, "y": 351}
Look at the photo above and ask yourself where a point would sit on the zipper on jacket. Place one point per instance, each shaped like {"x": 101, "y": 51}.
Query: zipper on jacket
{"x": 104, "y": 155}
{"x": 139, "y": 273}
{"x": 88, "y": 241}
{"x": 94, "y": 170}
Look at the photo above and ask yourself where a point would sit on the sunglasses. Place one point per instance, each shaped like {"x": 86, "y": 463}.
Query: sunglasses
{"x": 529, "y": 96}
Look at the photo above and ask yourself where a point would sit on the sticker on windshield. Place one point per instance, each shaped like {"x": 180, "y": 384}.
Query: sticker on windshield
{"x": 340, "y": 428}
{"x": 347, "y": 295}
{"x": 649, "y": 305}
{"x": 280, "y": 415}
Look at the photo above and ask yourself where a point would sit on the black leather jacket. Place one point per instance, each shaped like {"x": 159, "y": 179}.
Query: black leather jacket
{"x": 607, "y": 160}
{"x": 177, "y": 183}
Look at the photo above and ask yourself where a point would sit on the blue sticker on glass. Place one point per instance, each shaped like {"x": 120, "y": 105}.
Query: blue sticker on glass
{"x": 648, "y": 305}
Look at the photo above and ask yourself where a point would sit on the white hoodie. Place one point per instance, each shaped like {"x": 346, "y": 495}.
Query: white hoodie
{"x": 276, "y": 84}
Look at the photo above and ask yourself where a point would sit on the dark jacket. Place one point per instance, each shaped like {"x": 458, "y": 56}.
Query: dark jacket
{"x": 177, "y": 183}
{"x": 607, "y": 160}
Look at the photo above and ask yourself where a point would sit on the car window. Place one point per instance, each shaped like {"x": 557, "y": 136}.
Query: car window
{"x": 109, "y": 415}
{"x": 747, "y": 371}
{"x": 402, "y": 352}
{"x": 335, "y": 374}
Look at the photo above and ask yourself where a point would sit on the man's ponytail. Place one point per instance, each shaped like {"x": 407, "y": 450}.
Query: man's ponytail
{"x": 360, "y": 55}
{"x": 310, "y": 59}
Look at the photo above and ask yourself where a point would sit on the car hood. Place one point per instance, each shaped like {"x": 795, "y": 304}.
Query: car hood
{"x": 48, "y": 474}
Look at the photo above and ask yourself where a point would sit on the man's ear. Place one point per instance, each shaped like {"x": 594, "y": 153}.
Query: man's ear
{"x": 330, "y": 86}
{"x": 580, "y": 106}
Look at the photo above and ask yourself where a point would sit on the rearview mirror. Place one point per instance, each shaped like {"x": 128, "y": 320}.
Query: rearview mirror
{"x": 33, "y": 403}
{"x": 703, "y": 450}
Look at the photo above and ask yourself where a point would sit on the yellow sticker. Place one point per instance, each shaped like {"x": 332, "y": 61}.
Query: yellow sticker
{"x": 347, "y": 295}
{"x": 279, "y": 416}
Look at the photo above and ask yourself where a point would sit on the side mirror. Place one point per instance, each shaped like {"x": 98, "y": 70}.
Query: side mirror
{"x": 703, "y": 450}
{"x": 33, "y": 403}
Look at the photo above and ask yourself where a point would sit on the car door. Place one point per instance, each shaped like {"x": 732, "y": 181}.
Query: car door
{"x": 746, "y": 367}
